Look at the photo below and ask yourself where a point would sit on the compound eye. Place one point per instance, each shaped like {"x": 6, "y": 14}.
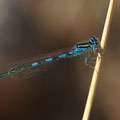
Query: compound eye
{"x": 92, "y": 40}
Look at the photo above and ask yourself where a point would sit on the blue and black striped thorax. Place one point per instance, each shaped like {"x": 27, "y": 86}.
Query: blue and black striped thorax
{"x": 93, "y": 43}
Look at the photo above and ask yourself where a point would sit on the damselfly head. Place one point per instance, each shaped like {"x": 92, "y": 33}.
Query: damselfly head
{"x": 94, "y": 42}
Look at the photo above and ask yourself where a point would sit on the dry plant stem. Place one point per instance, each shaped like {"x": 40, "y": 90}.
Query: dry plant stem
{"x": 98, "y": 63}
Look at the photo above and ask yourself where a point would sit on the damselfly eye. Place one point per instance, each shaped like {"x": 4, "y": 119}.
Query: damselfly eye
{"x": 92, "y": 40}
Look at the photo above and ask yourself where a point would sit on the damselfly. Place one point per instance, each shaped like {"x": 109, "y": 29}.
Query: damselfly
{"x": 27, "y": 68}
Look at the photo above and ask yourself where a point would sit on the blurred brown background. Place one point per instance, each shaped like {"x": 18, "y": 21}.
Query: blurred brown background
{"x": 33, "y": 27}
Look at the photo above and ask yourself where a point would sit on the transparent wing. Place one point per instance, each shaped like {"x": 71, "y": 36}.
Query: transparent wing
{"x": 32, "y": 72}
{"x": 28, "y": 73}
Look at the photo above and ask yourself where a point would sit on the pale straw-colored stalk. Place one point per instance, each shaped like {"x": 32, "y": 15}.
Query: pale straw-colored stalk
{"x": 98, "y": 62}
